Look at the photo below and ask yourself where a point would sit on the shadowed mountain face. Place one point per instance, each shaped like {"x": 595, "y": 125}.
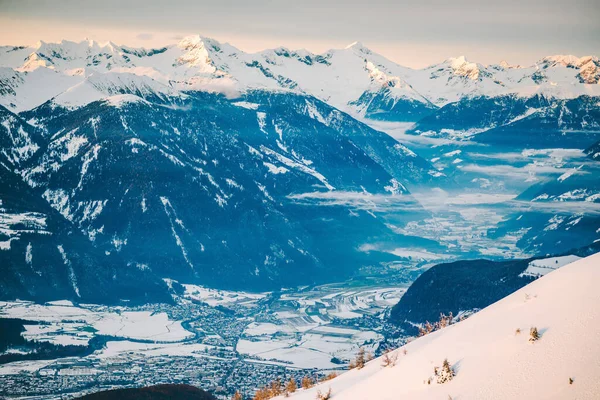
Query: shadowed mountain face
{"x": 158, "y": 392}
{"x": 249, "y": 193}
{"x": 44, "y": 256}
{"x": 470, "y": 285}
{"x": 458, "y": 286}
{"x": 517, "y": 122}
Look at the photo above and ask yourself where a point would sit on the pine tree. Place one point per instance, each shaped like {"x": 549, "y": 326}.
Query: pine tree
{"x": 291, "y": 386}
{"x": 275, "y": 388}
{"x": 446, "y": 373}
{"x": 307, "y": 382}
{"x": 262, "y": 394}
{"x": 360, "y": 358}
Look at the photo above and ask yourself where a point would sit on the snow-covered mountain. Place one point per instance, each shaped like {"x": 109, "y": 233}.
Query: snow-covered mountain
{"x": 353, "y": 79}
{"x": 491, "y": 355}
{"x": 44, "y": 255}
{"x": 255, "y": 192}
{"x": 248, "y": 166}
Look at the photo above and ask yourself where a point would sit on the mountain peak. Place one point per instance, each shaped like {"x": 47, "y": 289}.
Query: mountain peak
{"x": 462, "y": 67}
{"x": 457, "y": 61}
{"x": 191, "y": 41}
{"x": 196, "y": 53}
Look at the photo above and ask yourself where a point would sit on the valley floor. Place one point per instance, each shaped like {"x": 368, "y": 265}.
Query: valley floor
{"x": 218, "y": 340}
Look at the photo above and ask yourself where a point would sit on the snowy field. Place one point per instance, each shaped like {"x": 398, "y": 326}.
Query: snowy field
{"x": 304, "y": 333}
{"x": 311, "y": 348}
{"x": 215, "y": 297}
{"x": 298, "y": 329}
{"x": 67, "y": 324}
{"x": 539, "y": 268}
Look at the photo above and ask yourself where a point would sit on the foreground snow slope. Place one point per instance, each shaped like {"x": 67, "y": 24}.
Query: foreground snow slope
{"x": 491, "y": 360}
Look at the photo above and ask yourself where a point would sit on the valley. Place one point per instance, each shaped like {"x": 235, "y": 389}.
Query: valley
{"x": 220, "y": 340}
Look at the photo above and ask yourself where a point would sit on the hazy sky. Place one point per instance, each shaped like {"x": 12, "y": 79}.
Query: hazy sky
{"x": 410, "y": 32}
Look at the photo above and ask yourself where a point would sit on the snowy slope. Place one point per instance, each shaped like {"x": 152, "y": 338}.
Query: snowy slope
{"x": 353, "y": 79}
{"x": 490, "y": 359}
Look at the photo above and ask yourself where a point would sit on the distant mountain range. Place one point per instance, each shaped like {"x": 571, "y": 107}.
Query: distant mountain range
{"x": 201, "y": 163}
{"x": 353, "y": 79}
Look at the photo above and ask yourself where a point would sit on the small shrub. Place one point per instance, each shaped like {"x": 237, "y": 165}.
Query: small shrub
{"x": 389, "y": 358}
{"x": 324, "y": 396}
{"x": 571, "y": 381}
{"x": 426, "y": 329}
{"x": 444, "y": 321}
{"x": 518, "y": 331}
{"x": 329, "y": 377}
{"x": 534, "y": 336}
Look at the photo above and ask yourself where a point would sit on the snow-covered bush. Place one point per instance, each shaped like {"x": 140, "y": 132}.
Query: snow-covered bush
{"x": 534, "y": 336}
{"x": 389, "y": 358}
{"x": 324, "y": 396}
{"x": 444, "y": 374}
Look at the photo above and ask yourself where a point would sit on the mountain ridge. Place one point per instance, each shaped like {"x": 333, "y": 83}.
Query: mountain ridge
{"x": 341, "y": 77}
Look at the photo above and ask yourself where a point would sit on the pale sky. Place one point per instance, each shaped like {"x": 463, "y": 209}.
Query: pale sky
{"x": 410, "y": 32}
